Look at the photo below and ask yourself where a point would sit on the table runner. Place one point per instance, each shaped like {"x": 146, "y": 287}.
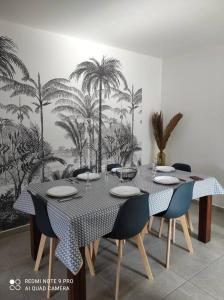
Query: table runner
{"x": 81, "y": 221}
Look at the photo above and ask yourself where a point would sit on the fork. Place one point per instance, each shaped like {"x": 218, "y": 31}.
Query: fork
{"x": 72, "y": 180}
{"x": 71, "y": 198}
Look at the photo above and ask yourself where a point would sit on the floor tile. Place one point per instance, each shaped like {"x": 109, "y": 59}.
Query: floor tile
{"x": 211, "y": 279}
{"x": 188, "y": 291}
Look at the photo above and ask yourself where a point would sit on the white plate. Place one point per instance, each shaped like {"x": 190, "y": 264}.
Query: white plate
{"x": 166, "y": 180}
{"x": 92, "y": 176}
{"x": 165, "y": 169}
{"x": 62, "y": 191}
{"x": 125, "y": 191}
{"x": 114, "y": 170}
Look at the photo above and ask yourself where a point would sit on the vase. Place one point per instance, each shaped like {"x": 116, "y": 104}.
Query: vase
{"x": 161, "y": 158}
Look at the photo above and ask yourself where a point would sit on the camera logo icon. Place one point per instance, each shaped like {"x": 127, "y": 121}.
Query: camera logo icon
{"x": 15, "y": 284}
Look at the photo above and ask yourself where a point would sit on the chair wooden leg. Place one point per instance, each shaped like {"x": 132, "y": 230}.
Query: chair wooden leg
{"x": 190, "y": 225}
{"x": 144, "y": 231}
{"x": 120, "y": 254}
{"x": 141, "y": 248}
{"x": 89, "y": 261}
{"x": 168, "y": 244}
{"x": 53, "y": 242}
{"x": 174, "y": 230}
{"x": 150, "y": 223}
{"x": 161, "y": 227}
{"x": 40, "y": 251}
{"x": 91, "y": 249}
{"x": 96, "y": 247}
{"x": 183, "y": 221}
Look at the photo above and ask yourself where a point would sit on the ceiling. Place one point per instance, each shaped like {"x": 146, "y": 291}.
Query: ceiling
{"x": 155, "y": 27}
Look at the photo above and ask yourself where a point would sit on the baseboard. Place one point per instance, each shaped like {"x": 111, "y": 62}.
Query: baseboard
{"x": 13, "y": 231}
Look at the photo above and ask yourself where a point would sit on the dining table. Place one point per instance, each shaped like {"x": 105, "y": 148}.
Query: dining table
{"x": 78, "y": 221}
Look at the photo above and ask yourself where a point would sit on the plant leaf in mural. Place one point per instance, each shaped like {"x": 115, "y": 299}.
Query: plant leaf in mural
{"x": 134, "y": 99}
{"x": 99, "y": 77}
{"x": 8, "y": 58}
{"x": 76, "y": 132}
{"x": 42, "y": 93}
{"x": 84, "y": 107}
{"x": 21, "y": 110}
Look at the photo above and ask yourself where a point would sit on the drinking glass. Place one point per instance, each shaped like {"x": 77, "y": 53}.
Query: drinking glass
{"x": 154, "y": 169}
{"x": 88, "y": 183}
{"x": 104, "y": 169}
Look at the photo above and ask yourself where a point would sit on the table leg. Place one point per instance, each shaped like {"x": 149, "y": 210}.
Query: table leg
{"x": 35, "y": 235}
{"x": 77, "y": 289}
{"x": 205, "y": 219}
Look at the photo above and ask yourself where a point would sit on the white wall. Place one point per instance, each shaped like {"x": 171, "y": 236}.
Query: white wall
{"x": 193, "y": 84}
{"x": 56, "y": 55}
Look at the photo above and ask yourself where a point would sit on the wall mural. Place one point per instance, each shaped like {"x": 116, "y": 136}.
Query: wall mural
{"x": 100, "y": 132}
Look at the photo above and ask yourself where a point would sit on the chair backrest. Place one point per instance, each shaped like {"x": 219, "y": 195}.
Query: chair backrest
{"x": 131, "y": 218}
{"x": 181, "y": 201}
{"x": 182, "y": 167}
{"x": 80, "y": 171}
{"x": 41, "y": 216}
{"x": 111, "y": 166}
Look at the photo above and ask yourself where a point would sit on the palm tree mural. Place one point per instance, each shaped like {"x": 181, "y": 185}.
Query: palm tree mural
{"x": 85, "y": 107}
{"x": 8, "y": 58}
{"x": 134, "y": 99}
{"x": 99, "y": 76}
{"x": 76, "y": 132}
{"x": 43, "y": 94}
{"x": 21, "y": 110}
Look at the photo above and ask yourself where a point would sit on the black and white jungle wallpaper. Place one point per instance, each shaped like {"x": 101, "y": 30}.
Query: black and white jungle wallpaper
{"x": 96, "y": 107}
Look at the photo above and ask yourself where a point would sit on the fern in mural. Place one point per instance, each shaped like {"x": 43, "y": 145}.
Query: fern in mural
{"x": 23, "y": 159}
{"x": 120, "y": 145}
{"x": 99, "y": 77}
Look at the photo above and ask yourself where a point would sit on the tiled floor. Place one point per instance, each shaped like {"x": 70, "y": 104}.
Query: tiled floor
{"x": 197, "y": 276}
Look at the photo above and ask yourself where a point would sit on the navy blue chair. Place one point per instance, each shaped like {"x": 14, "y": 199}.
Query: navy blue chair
{"x": 80, "y": 171}
{"x": 131, "y": 220}
{"x": 111, "y": 166}
{"x": 182, "y": 167}
{"x": 43, "y": 224}
{"x": 177, "y": 210}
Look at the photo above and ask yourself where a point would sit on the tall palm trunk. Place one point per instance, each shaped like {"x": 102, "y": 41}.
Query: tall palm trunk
{"x": 4, "y": 159}
{"x": 41, "y": 127}
{"x": 100, "y": 129}
{"x": 132, "y": 136}
{"x": 42, "y": 139}
{"x": 90, "y": 144}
